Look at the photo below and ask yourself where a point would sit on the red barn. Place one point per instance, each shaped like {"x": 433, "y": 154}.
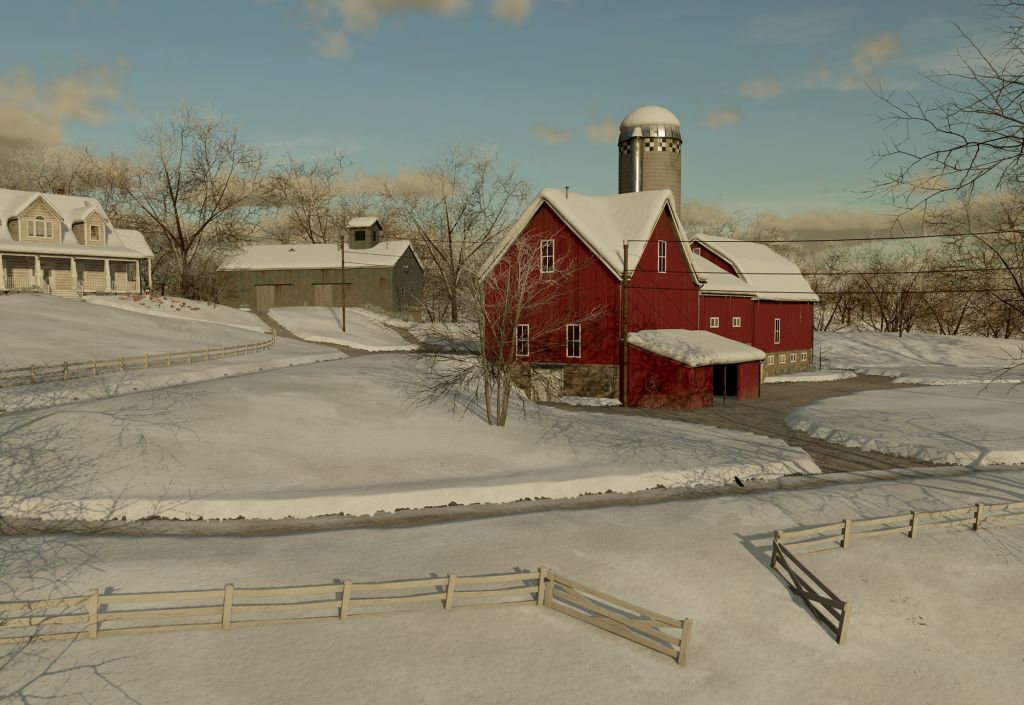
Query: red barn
{"x": 637, "y": 315}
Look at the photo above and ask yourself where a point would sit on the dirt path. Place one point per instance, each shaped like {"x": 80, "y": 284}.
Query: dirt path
{"x": 766, "y": 416}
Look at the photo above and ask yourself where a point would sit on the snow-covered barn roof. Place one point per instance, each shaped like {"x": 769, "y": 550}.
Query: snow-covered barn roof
{"x": 694, "y": 348}
{"x": 771, "y": 276}
{"x": 603, "y": 223}
{"x": 716, "y": 280}
{"x": 270, "y": 257}
{"x": 365, "y": 221}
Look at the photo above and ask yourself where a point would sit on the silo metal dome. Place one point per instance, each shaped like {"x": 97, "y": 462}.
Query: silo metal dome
{"x": 650, "y": 151}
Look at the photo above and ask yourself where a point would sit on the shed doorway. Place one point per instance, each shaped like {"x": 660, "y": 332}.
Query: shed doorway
{"x": 726, "y": 380}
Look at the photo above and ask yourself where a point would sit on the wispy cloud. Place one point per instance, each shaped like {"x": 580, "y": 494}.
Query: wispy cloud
{"x": 512, "y": 11}
{"x": 761, "y": 88}
{"x": 37, "y": 111}
{"x": 602, "y": 131}
{"x": 723, "y": 117}
{"x": 552, "y": 135}
{"x": 872, "y": 53}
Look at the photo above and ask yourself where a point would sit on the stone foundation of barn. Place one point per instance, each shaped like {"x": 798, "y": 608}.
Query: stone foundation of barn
{"x": 787, "y": 361}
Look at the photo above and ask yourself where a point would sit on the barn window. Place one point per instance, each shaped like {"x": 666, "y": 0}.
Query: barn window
{"x": 737, "y": 322}
{"x": 770, "y": 360}
{"x": 360, "y": 235}
{"x": 573, "y": 340}
{"x": 792, "y": 357}
{"x": 383, "y": 282}
{"x": 522, "y": 340}
{"x": 803, "y": 357}
{"x": 662, "y": 256}
{"x": 547, "y": 255}
{"x": 713, "y": 323}
{"x": 778, "y": 331}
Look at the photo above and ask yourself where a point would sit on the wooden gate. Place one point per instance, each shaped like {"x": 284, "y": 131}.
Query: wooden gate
{"x": 264, "y": 297}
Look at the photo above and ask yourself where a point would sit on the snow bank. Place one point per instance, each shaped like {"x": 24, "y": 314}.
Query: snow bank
{"x": 52, "y": 330}
{"x": 811, "y": 376}
{"x": 342, "y": 437}
{"x": 961, "y": 425}
{"x": 365, "y": 330}
{"x": 921, "y": 358}
{"x": 175, "y": 307}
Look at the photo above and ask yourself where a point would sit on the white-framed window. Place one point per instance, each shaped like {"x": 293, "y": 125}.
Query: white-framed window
{"x": 737, "y": 322}
{"x": 547, "y": 255}
{"x": 522, "y": 340}
{"x": 573, "y": 340}
{"x": 803, "y": 357}
{"x": 770, "y": 360}
{"x": 662, "y": 256}
{"x": 40, "y": 227}
{"x": 778, "y": 331}
{"x": 713, "y": 323}
{"x": 94, "y": 233}
{"x": 792, "y": 357}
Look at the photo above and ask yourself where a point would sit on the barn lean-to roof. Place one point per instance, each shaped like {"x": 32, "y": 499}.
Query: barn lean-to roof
{"x": 771, "y": 276}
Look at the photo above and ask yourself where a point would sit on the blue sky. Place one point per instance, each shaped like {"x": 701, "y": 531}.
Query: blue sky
{"x": 774, "y": 113}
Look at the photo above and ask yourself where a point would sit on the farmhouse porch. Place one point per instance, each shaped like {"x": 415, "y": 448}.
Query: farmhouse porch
{"x": 72, "y": 275}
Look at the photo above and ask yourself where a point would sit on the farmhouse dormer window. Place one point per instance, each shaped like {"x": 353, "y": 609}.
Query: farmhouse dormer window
{"x": 94, "y": 233}
{"x": 547, "y": 256}
{"x": 662, "y": 256}
{"x": 40, "y": 227}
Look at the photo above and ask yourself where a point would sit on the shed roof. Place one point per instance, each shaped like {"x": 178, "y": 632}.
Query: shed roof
{"x": 365, "y": 221}
{"x": 272, "y": 257}
{"x": 771, "y": 276}
{"x": 694, "y": 348}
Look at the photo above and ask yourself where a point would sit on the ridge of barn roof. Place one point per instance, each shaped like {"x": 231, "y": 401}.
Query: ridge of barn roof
{"x": 694, "y": 348}
{"x": 771, "y": 276}
{"x": 603, "y": 223}
{"x": 317, "y": 256}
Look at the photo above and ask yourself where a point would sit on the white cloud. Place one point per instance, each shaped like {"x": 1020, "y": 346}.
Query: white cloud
{"x": 723, "y": 117}
{"x": 34, "y": 111}
{"x": 761, "y": 88}
{"x": 872, "y": 53}
{"x": 552, "y": 135}
{"x": 512, "y": 11}
{"x": 603, "y": 131}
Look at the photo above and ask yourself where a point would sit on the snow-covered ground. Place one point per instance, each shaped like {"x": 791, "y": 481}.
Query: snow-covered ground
{"x": 40, "y": 330}
{"x": 934, "y": 620}
{"x": 343, "y": 437}
{"x": 176, "y": 307}
{"x": 921, "y": 358}
{"x": 811, "y": 376}
{"x": 955, "y": 425}
{"x": 364, "y": 330}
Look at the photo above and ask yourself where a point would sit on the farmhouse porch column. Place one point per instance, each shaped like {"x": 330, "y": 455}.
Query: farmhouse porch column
{"x": 149, "y": 274}
{"x": 106, "y": 275}
{"x": 138, "y": 277}
{"x": 3, "y": 274}
{"x": 74, "y": 273}
{"x": 38, "y": 272}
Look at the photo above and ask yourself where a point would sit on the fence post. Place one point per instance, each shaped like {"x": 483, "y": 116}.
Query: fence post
{"x": 207, "y": 354}
{"x": 32, "y": 374}
{"x": 93, "y": 605}
{"x": 776, "y": 541}
{"x": 449, "y": 596}
{"x": 845, "y": 543}
{"x": 979, "y": 509}
{"x": 147, "y": 360}
{"x": 190, "y": 357}
{"x": 346, "y": 596}
{"x": 549, "y": 593}
{"x": 122, "y": 364}
{"x": 65, "y": 372}
{"x": 540, "y": 586}
{"x": 168, "y": 359}
{"x": 94, "y": 368}
{"x": 684, "y": 641}
{"x": 229, "y": 595}
{"x": 913, "y": 524}
{"x": 844, "y": 622}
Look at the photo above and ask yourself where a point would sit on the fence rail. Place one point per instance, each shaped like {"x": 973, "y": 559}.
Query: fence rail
{"x": 831, "y": 610}
{"x": 37, "y": 374}
{"x": 97, "y": 615}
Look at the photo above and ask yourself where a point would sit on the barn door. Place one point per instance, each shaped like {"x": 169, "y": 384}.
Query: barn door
{"x": 322, "y": 295}
{"x": 264, "y": 297}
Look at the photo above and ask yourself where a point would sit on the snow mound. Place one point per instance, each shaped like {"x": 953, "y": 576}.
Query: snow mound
{"x": 811, "y": 376}
{"x": 364, "y": 330}
{"x": 963, "y": 425}
{"x": 184, "y": 309}
{"x": 922, "y": 358}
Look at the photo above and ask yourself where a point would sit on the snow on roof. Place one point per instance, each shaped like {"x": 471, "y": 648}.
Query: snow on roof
{"x": 718, "y": 281}
{"x": 71, "y": 209}
{"x": 602, "y": 222}
{"x": 366, "y": 221}
{"x": 269, "y": 257}
{"x": 694, "y": 348}
{"x": 134, "y": 240}
{"x": 771, "y": 276}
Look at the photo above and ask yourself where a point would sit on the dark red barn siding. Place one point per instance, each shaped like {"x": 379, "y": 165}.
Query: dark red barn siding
{"x": 657, "y": 382}
{"x": 748, "y": 380}
{"x": 711, "y": 257}
{"x": 797, "y": 319}
{"x": 589, "y": 296}
{"x": 662, "y": 299}
{"x": 726, "y": 307}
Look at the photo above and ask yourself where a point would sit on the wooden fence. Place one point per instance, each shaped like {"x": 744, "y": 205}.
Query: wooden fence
{"x": 831, "y": 610}
{"x": 97, "y": 615}
{"x": 64, "y": 371}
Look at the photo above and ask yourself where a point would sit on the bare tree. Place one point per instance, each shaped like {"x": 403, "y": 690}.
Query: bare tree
{"x": 52, "y": 169}
{"x": 454, "y": 217}
{"x": 197, "y": 187}
{"x": 311, "y": 203}
{"x": 479, "y": 363}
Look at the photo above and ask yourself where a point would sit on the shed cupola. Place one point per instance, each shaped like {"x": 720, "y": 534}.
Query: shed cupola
{"x": 650, "y": 152}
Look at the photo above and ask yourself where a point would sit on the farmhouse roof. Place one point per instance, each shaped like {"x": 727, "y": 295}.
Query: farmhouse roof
{"x": 694, "y": 348}
{"x": 272, "y": 257}
{"x": 603, "y": 223}
{"x": 771, "y": 276}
